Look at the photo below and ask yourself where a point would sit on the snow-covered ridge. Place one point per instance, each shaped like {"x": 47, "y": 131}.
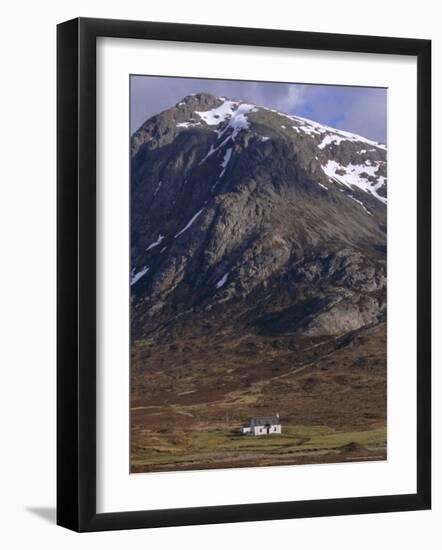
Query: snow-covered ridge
{"x": 352, "y": 175}
{"x": 231, "y": 117}
{"x": 340, "y": 135}
{"x": 236, "y": 111}
{"x": 331, "y": 135}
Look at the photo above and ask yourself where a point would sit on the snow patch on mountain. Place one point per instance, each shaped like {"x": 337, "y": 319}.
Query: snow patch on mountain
{"x": 329, "y": 139}
{"x": 311, "y": 129}
{"x": 361, "y": 204}
{"x": 226, "y": 160}
{"x": 189, "y": 223}
{"x": 222, "y": 281}
{"x": 136, "y": 276}
{"x": 155, "y": 243}
{"x": 237, "y": 122}
{"x": 224, "y": 163}
{"x": 214, "y": 149}
{"x": 381, "y": 181}
{"x": 218, "y": 114}
{"x": 338, "y": 136}
{"x": 356, "y": 175}
{"x": 187, "y": 124}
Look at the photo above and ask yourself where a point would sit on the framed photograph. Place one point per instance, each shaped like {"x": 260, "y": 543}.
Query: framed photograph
{"x": 243, "y": 274}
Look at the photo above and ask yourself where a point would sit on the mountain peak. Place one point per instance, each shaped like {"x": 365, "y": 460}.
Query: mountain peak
{"x": 216, "y": 142}
{"x": 201, "y": 100}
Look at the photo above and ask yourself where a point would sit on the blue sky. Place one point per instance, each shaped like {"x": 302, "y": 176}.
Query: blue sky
{"x": 359, "y": 110}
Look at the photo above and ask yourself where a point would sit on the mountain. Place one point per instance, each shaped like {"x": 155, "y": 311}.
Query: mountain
{"x": 256, "y": 237}
{"x": 231, "y": 201}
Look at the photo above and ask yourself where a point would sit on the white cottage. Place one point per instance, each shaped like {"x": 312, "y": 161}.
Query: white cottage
{"x": 263, "y": 425}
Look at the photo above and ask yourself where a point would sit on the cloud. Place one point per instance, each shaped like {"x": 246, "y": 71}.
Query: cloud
{"x": 294, "y": 97}
{"x": 367, "y": 114}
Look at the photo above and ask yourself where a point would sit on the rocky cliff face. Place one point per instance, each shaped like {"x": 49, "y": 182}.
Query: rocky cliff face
{"x": 252, "y": 219}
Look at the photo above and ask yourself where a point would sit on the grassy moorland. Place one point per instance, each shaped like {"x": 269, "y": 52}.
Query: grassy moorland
{"x": 221, "y": 448}
{"x": 331, "y": 397}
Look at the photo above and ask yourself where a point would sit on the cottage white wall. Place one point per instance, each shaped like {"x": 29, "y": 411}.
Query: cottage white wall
{"x": 262, "y": 430}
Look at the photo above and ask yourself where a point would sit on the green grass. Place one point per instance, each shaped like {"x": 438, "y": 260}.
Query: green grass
{"x": 298, "y": 437}
{"x": 219, "y": 442}
{"x": 340, "y": 439}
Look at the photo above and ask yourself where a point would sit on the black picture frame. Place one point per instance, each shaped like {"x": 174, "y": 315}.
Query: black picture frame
{"x": 76, "y": 274}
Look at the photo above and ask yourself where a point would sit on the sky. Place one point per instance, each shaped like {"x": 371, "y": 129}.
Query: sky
{"x": 355, "y": 109}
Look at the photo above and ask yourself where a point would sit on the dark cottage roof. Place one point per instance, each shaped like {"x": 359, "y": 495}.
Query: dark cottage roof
{"x": 263, "y": 420}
